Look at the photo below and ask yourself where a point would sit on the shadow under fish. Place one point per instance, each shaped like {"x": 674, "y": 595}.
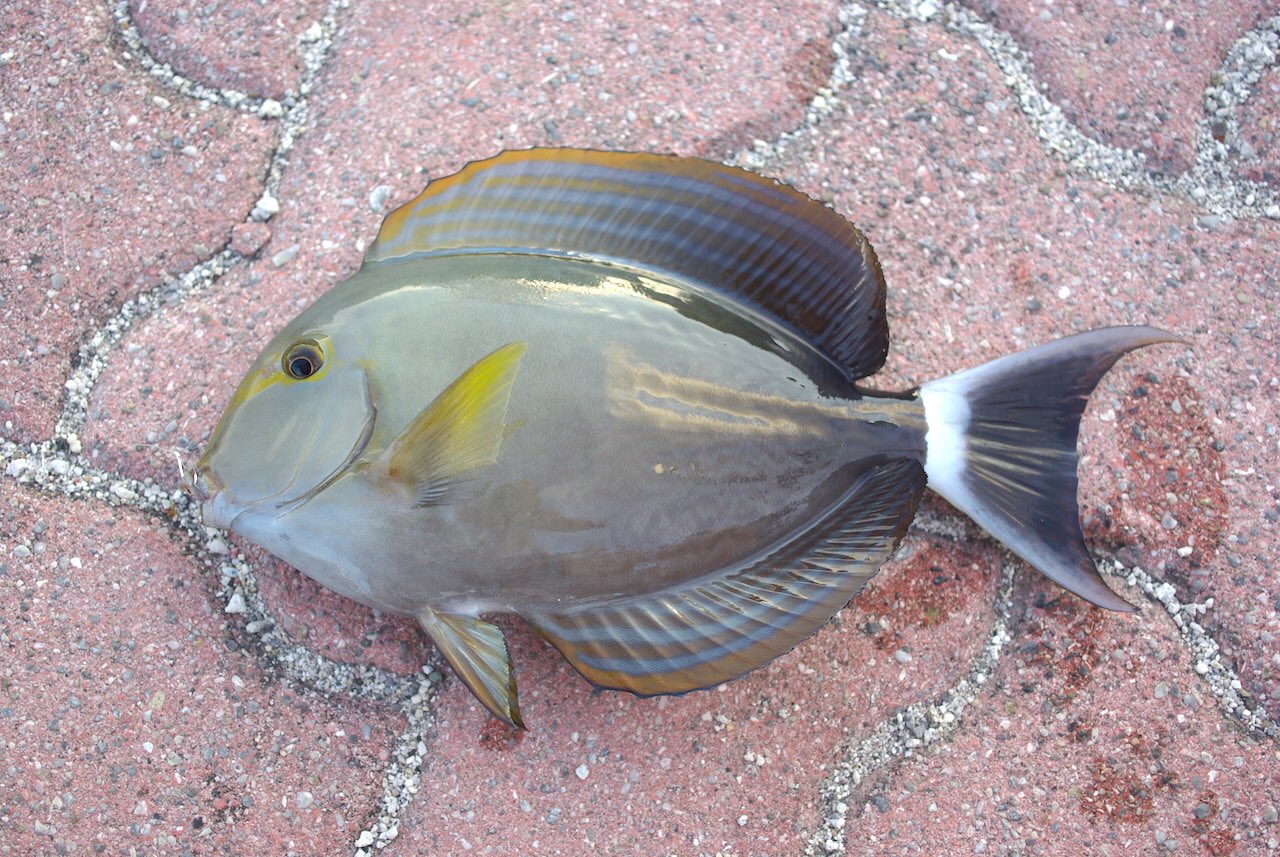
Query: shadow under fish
{"x": 618, "y": 395}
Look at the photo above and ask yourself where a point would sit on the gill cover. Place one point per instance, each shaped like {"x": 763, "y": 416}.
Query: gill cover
{"x": 282, "y": 440}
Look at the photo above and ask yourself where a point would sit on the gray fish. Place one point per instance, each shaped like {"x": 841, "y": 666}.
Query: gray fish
{"x": 619, "y": 395}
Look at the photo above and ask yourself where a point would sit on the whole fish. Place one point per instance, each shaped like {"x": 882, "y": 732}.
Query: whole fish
{"x": 618, "y": 395}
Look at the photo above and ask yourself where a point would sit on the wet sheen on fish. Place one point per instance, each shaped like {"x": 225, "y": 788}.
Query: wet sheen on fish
{"x": 622, "y": 396}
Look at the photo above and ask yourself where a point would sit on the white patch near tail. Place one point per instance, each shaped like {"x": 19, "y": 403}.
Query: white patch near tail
{"x": 947, "y": 414}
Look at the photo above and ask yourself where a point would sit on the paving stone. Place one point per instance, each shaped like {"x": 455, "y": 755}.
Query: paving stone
{"x": 410, "y": 95}
{"x": 336, "y": 627}
{"x": 1089, "y": 761}
{"x": 174, "y": 372}
{"x": 109, "y": 184}
{"x": 1130, "y": 74}
{"x": 247, "y": 47}
{"x": 128, "y": 721}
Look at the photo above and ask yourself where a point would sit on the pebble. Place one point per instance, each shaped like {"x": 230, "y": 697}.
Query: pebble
{"x": 1169, "y": 522}
{"x": 902, "y": 656}
{"x": 235, "y": 604}
{"x": 1202, "y": 811}
{"x": 582, "y": 771}
{"x": 270, "y": 109}
{"x": 285, "y": 256}
{"x": 303, "y": 799}
{"x": 265, "y": 208}
{"x": 378, "y": 198}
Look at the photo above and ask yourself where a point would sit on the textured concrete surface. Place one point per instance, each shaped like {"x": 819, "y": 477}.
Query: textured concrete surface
{"x": 181, "y": 178}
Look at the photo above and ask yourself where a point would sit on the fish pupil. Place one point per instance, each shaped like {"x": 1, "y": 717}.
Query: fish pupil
{"x": 301, "y": 367}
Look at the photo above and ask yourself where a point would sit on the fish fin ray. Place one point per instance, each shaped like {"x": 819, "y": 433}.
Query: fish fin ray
{"x": 747, "y": 238}
{"x": 703, "y": 633}
{"x": 1002, "y": 448}
{"x": 477, "y": 651}
{"x": 460, "y": 431}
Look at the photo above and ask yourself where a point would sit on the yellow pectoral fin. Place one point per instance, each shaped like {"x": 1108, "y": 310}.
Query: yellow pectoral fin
{"x": 460, "y": 431}
{"x": 477, "y": 651}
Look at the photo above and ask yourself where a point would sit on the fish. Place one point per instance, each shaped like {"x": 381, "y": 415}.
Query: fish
{"x": 624, "y": 397}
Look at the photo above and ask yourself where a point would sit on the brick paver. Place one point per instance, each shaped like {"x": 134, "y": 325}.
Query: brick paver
{"x": 180, "y": 179}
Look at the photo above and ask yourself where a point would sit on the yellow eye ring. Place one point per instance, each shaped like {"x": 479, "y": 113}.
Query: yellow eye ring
{"x": 302, "y": 360}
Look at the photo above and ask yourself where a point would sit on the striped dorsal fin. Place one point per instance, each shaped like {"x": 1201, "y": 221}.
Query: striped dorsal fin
{"x": 753, "y": 240}
{"x": 707, "y": 632}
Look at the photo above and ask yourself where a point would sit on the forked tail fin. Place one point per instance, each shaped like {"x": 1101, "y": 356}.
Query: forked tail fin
{"x": 1002, "y": 448}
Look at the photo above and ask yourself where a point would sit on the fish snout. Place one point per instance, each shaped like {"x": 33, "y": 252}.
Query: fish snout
{"x": 208, "y": 490}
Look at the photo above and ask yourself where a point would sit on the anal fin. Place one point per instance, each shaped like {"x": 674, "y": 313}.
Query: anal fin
{"x": 477, "y": 651}
{"x": 709, "y": 631}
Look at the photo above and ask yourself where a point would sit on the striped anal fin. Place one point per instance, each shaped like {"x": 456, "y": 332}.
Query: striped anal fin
{"x": 707, "y": 632}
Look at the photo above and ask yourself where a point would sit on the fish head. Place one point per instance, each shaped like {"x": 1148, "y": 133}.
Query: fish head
{"x": 299, "y": 419}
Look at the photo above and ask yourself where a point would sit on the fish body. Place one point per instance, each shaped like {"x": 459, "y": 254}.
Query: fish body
{"x": 650, "y": 446}
{"x": 618, "y": 395}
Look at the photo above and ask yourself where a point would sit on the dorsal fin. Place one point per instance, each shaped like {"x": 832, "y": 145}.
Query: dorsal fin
{"x": 749, "y": 238}
{"x": 709, "y": 631}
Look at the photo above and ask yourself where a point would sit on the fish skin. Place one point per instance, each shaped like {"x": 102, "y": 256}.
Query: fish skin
{"x": 540, "y": 396}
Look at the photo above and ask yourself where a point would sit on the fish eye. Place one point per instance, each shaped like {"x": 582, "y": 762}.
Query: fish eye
{"x": 303, "y": 359}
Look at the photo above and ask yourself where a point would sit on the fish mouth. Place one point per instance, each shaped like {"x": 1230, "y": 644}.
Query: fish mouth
{"x": 216, "y": 508}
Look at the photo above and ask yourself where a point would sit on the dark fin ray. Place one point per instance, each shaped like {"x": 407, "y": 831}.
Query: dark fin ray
{"x": 704, "y": 633}
{"x": 1002, "y": 448}
{"x": 461, "y": 430}
{"x": 750, "y": 238}
{"x": 477, "y": 651}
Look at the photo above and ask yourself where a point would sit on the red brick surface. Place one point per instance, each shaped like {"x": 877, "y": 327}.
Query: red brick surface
{"x": 137, "y": 716}
{"x": 132, "y": 717}
{"x": 1131, "y": 74}
{"x": 249, "y": 47}
{"x": 109, "y": 184}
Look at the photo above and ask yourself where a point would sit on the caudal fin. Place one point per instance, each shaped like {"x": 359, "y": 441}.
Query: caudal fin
{"x": 1002, "y": 448}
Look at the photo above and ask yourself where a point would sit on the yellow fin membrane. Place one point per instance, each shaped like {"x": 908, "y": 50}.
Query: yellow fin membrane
{"x": 461, "y": 430}
{"x": 712, "y": 630}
